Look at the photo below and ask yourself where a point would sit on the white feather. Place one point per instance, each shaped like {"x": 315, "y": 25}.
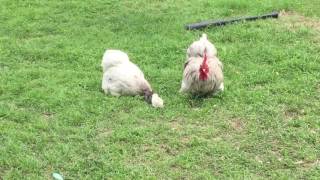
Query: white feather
{"x": 156, "y": 101}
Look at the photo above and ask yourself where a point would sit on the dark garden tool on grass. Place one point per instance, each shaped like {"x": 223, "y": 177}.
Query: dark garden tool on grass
{"x": 229, "y": 21}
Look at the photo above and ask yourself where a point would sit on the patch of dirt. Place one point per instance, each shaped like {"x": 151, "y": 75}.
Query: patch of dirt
{"x": 47, "y": 115}
{"x": 185, "y": 140}
{"x": 258, "y": 159}
{"x": 169, "y": 150}
{"x": 308, "y": 164}
{"x": 175, "y": 125}
{"x": 258, "y": 87}
{"x": 237, "y": 124}
{"x": 295, "y": 20}
{"x": 318, "y": 87}
{"x": 104, "y": 133}
{"x": 277, "y": 155}
{"x": 291, "y": 114}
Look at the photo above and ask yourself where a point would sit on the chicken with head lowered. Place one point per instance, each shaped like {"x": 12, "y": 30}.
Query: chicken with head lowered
{"x": 122, "y": 77}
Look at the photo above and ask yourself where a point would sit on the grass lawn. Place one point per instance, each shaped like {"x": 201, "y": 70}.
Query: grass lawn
{"x": 55, "y": 118}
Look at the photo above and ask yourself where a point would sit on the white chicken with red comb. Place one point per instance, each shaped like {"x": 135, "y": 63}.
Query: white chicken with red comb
{"x": 203, "y": 70}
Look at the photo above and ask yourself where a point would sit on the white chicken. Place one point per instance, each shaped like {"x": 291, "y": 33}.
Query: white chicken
{"x": 202, "y": 70}
{"x": 122, "y": 77}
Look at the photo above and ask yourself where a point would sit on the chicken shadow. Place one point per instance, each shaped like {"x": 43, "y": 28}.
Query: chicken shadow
{"x": 196, "y": 101}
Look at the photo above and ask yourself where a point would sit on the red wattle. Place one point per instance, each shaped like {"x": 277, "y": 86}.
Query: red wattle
{"x": 204, "y": 68}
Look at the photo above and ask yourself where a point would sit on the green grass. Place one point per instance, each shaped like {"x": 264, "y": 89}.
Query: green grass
{"x": 55, "y": 118}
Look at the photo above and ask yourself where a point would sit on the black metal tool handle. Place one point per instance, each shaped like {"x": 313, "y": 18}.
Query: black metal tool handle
{"x": 204, "y": 24}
